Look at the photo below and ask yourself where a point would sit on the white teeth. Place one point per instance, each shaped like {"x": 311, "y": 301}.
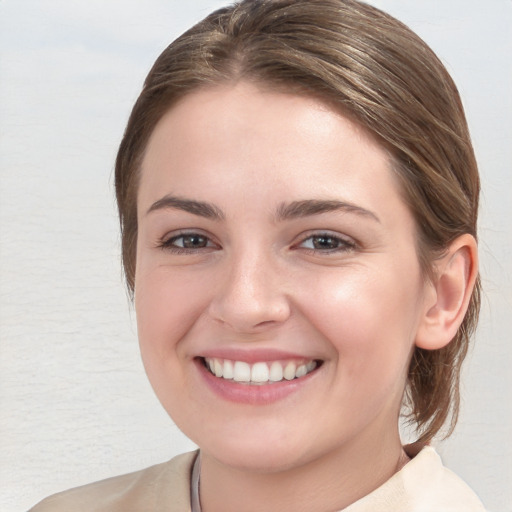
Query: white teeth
{"x": 258, "y": 373}
{"x": 217, "y": 368}
{"x": 227, "y": 371}
{"x": 241, "y": 372}
{"x": 301, "y": 371}
{"x": 289, "y": 371}
{"x": 276, "y": 372}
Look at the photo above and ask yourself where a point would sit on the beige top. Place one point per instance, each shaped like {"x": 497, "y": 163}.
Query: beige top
{"x": 422, "y": 485}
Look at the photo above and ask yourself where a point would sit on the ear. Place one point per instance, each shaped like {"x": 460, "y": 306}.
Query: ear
{"x": 447, "y": 296}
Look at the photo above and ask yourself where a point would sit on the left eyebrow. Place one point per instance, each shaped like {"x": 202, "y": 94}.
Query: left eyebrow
{"x": 305, "y": 208}
{"x": 199, "y": 208}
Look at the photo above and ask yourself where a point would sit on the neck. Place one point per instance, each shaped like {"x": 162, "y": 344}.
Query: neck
{"x": 331, "y": 481}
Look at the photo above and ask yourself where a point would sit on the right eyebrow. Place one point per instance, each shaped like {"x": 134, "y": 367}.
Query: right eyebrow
{"x": 200, "y": 208}
{"x": 308, "y": 207}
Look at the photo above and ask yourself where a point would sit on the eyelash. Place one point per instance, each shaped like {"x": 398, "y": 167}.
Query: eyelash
{"x": 341, "y": 244}
{"x": 168, "y": 244}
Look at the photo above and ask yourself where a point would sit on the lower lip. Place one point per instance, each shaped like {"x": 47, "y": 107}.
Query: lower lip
{"x": 262, "y": 394}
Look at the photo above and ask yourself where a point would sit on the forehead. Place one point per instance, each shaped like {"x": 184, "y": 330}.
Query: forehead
{"x": 241, "y": 146}
{"x": 242, "y": 121}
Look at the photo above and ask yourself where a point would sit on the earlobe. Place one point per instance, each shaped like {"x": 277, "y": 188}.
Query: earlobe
{"x": 447, "y": 298}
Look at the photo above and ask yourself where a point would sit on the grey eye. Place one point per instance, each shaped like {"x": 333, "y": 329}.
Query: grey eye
{"x": 192, "y": 241}
{"x": 323, "y": 242}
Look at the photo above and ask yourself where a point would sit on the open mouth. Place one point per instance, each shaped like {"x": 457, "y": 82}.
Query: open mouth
{"x": 260, "y": 373}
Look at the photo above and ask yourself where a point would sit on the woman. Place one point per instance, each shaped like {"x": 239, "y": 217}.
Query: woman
{"x": 298, "y": 198}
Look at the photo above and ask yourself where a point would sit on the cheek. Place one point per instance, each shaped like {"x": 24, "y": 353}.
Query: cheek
{"x": 167, "y": 304}
{"x": 369, "y": 318}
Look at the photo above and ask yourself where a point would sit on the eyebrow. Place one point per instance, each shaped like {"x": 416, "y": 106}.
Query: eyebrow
{"x": 285, "y": 211}
{"x": 308, "y": 207}
{"x": 200, "y": 208}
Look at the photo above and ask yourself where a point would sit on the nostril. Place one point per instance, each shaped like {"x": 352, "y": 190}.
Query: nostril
{"x": 244, "y": 317}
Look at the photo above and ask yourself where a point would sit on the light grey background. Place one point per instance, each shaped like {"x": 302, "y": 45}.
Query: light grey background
{"x": 75, "y": 404}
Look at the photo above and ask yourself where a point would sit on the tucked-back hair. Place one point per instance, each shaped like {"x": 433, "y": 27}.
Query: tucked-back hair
{"x": 381, "y": 75}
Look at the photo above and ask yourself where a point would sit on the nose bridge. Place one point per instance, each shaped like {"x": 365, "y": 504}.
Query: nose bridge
{"x": 251, "y": 293}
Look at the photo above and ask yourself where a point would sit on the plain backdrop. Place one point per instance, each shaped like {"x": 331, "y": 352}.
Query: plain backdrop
{"x": 74, "y": 401}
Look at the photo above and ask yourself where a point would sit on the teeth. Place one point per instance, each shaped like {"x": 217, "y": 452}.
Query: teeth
{"x": 241, "y": 372}
{"x": 217, "y": 368}
{"x": 258, "y": 373}
{"x": 276, "y": 372}
{"x": 301, "y": 371}
{"x": 289, "y": 371}
{"x": 228, "y": 371}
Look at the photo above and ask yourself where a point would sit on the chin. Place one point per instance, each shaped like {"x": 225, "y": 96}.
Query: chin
{"x": 256, "y": 458}
{"x": 258, "y": 448}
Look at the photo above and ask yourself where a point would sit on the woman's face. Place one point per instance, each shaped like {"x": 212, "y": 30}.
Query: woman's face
{"x": 275, "y": 248}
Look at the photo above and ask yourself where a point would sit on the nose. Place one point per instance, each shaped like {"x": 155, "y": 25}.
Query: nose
{"x": 250, "y": 296}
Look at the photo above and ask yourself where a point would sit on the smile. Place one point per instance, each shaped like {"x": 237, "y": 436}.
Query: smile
{"x": 259, "y": 373}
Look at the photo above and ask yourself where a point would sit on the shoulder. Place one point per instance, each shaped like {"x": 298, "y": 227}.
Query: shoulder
{"x": 422, "y": 485}
{"x": 163, "y": 486}
{"x": 432, "y": 486}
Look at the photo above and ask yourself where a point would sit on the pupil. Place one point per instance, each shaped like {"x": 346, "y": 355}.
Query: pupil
{"x": 324, "y": 242}
{"x": 194, "y": 241}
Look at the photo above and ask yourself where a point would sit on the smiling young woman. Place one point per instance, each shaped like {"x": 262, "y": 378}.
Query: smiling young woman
{"x": 298, "y": 199}
{"x": 316, "y": 294}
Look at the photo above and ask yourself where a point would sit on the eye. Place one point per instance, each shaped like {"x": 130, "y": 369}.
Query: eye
{"x": 326, "y": 242}
{"x": 187, "y": 242}
{"x": 193, "y": 241}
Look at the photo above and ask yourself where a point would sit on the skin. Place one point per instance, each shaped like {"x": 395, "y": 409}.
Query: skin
{"x": 257, "y": 281}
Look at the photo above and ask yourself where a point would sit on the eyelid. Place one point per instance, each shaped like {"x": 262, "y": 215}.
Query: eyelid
{"x": 166, "y": 242}
{"x": 347, "y": 243}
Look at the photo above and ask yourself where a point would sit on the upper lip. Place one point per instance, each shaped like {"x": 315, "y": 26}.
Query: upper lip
{"x": 252, "y": 355}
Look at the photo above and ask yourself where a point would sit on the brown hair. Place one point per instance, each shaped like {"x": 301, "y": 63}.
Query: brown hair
{"x": 378, "y": 72}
